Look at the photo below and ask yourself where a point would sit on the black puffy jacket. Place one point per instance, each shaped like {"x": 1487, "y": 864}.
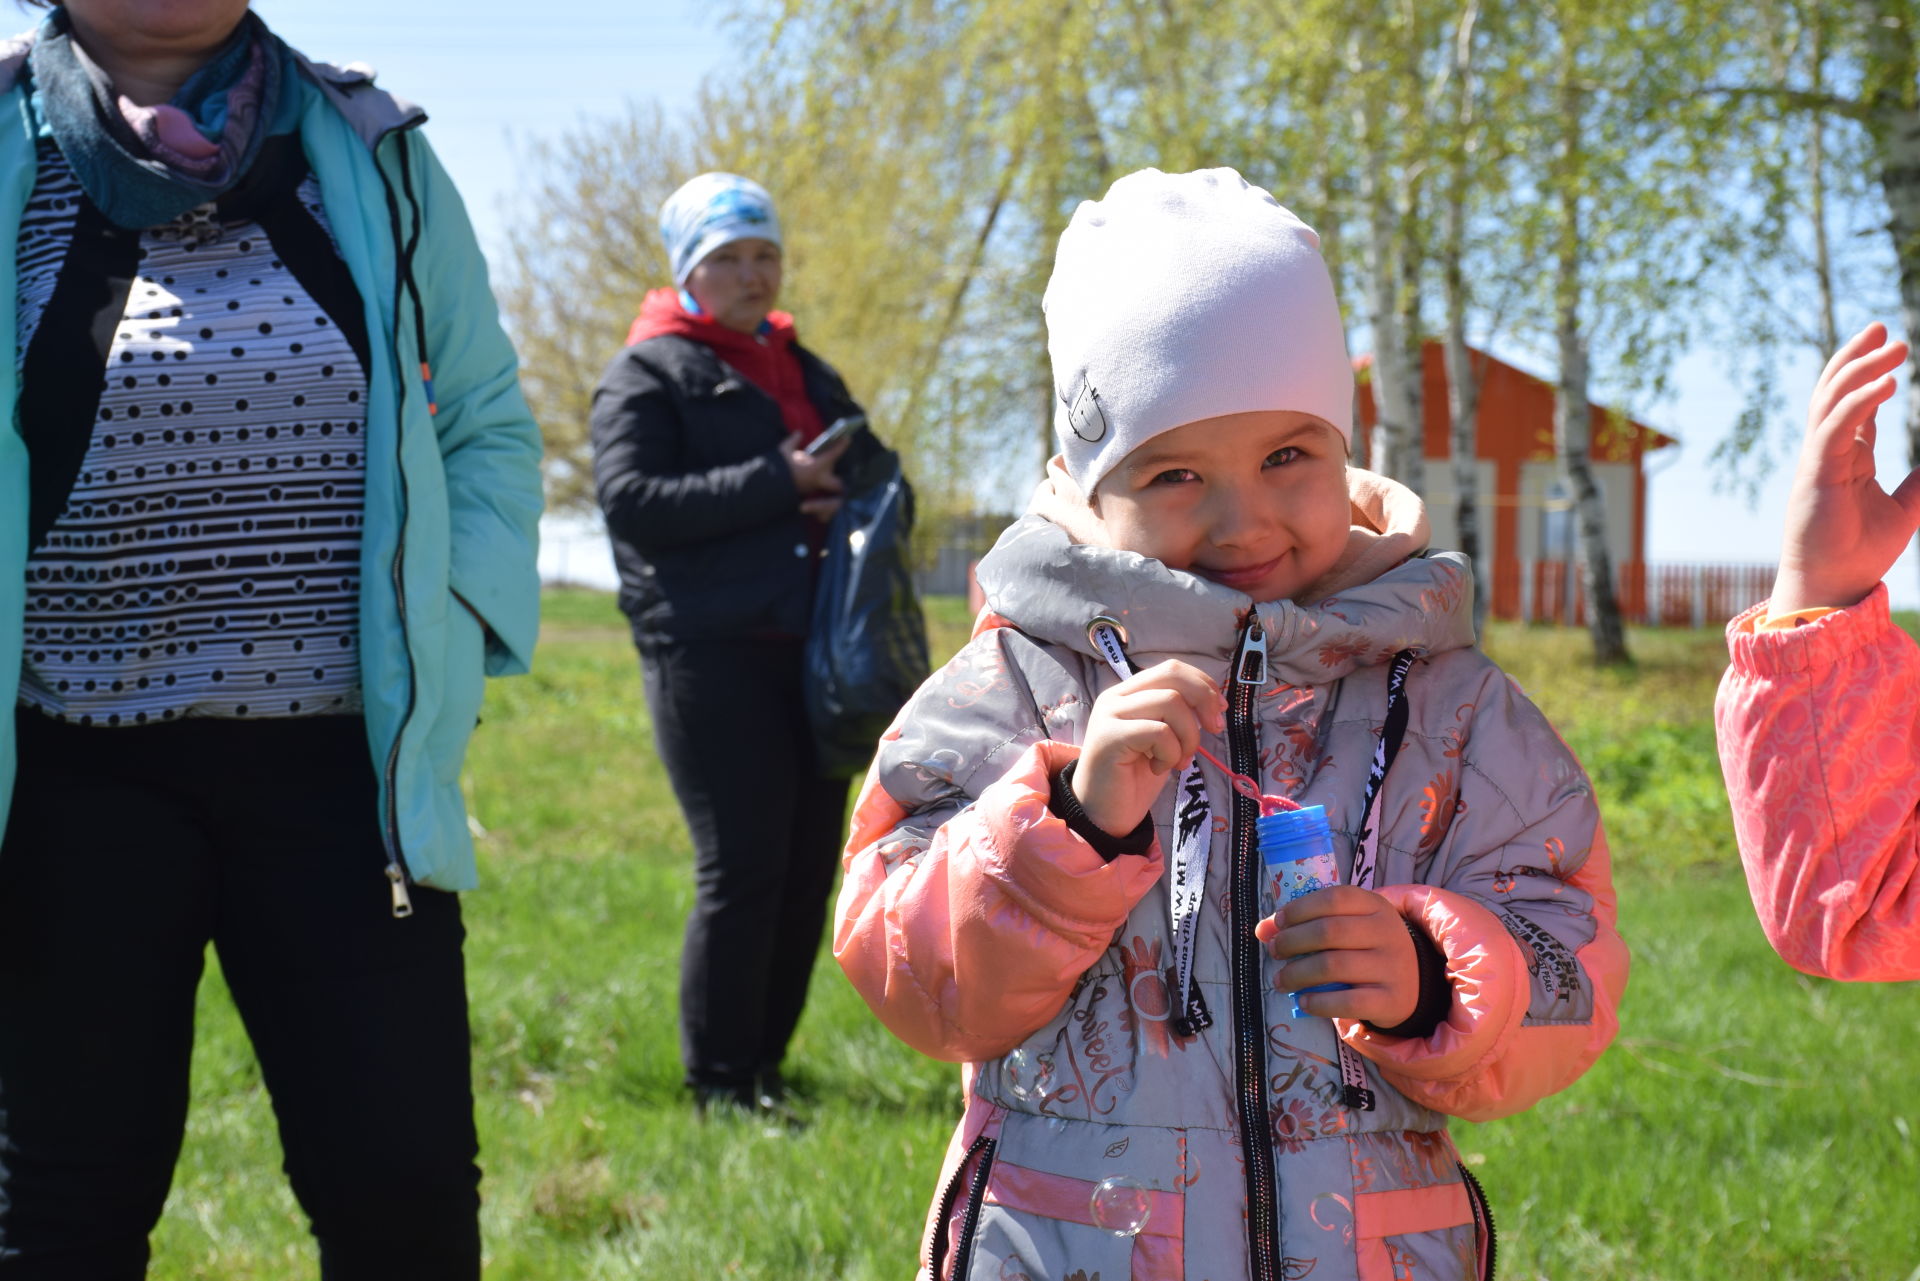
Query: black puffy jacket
{"x": 699, "y": 500}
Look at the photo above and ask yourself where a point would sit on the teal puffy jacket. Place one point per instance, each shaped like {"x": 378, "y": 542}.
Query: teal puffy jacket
{"x": 453, "y": 497}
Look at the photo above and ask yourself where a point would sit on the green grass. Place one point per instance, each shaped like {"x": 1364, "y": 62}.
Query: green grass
{"x": 1750, "y": 1122}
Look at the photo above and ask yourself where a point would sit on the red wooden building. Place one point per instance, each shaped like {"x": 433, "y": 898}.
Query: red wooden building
{"x": 1526, "y": 513}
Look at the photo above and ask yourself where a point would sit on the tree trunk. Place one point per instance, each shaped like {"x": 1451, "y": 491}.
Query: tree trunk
{"x": 1573, "y": 440}
{"x": 1817, "y": 182}
{"x": 1894, "y": 123}
{"x": 1463, "y": 380}
{"x": 1900, "y": 180}
{"x": 1410, "y": 468}
{"x": 1463, "y": 409}
{"x": 1395, "y": 448}
{"x": 1573, "y": 412}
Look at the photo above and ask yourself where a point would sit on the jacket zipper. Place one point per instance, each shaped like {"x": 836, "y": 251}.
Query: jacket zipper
{"x": 937, "y": 1245}
{"x": 398, "y": 876}
{"x": 1249, "y": 1007}
{"x": 1482, "y": 1217}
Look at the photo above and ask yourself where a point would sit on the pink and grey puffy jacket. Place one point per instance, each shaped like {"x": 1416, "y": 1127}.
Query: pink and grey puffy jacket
{"x": 976, "y": 924}
{"x": 1820, "y": 744}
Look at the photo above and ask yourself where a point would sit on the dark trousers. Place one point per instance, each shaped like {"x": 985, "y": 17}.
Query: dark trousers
{"x": 126, "y": 852}
{"x": 732, "y": 730}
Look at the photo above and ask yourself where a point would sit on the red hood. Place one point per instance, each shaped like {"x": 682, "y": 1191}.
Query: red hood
{"x": 768, "y": 359}
{"x": 661, "y": 313}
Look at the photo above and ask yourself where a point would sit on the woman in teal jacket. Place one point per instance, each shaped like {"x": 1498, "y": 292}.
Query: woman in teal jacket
{"x": 250, "y": 582}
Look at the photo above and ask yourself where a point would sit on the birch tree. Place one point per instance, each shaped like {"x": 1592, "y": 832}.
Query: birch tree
{"x": 1619, "y": 218}
{"x": 1389, "y": 61}
{"x": 1463, "y": 379}
{"x": 1804, "y": 246}
{"x": 1474, "y": 156}
{"x": 1889, "y": 111}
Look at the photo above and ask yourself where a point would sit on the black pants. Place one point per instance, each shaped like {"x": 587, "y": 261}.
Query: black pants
{"x": 127, "y": 850}
{"x": 730, "y": 725}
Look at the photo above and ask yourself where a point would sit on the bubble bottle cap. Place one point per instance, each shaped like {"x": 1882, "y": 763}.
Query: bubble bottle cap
{"x": 1294, "y": 834}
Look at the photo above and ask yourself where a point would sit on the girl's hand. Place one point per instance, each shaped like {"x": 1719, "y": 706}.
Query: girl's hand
{"x": 1140, "y": 729}
{"x": 1843, "y": 531}
{"x": 1344, "y": 934}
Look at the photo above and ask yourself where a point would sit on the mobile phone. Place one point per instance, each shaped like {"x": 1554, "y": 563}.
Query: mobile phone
{"x": 838, "y": 429}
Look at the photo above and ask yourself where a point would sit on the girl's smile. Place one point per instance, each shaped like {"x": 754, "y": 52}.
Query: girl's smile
{"x": 1256, "y": 502}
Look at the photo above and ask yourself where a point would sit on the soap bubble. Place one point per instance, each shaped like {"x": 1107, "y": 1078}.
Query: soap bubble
{"x": 1120, "y": 1205}
{"x": 1029, "y": 1076}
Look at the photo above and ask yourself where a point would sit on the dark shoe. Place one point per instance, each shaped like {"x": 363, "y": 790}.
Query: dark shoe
{"x": 724, "y": 1100}
{"x": 775, "y": 1117}
{"x": 770, "y": 1090}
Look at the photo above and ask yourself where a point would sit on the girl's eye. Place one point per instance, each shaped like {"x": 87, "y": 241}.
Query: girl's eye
{"x": 1174, "y": 476}
{"x": 1282, "y": 456}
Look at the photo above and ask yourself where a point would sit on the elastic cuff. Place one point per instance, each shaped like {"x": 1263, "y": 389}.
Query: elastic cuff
{"x": 1436, "y": 993}
{"x": 1066, "y": 807}
{"x": 1766, "y": 622}
{"x": 1812, "y": 646}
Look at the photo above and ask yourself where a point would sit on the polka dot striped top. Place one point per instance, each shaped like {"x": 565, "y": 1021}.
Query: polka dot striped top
{"x": 206, "y": 559}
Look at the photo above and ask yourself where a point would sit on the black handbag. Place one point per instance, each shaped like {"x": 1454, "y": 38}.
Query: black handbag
{"x": 867, "y": 645}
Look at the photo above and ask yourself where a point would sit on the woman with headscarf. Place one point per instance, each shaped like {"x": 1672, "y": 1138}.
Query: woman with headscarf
{"x": 267, "y": 516}
{"x": 716, "y": 510}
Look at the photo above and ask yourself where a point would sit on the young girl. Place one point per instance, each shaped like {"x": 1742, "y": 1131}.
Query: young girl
{"x": 1819, "y": 736}
{"x": 1042, "y": 883}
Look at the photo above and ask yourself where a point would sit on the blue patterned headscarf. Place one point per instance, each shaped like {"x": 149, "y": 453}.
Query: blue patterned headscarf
{"x": 712, "y": 210}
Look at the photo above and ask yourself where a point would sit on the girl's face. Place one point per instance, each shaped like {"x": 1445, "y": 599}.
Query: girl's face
{"x": 1256, "y": 502}
{"x": 738, "y": 283}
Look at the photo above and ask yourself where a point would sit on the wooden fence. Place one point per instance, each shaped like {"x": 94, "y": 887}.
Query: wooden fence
{"x": 1552, "y": 591}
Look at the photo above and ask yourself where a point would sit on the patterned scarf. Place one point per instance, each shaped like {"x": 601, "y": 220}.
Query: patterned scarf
{"x": 145, "y": 166}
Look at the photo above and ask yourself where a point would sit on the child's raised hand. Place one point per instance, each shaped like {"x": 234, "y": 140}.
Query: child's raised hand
{"x": 1843, "y": 531}
{"x": 1345, "y": 934}
{"x": 1140, "y": 729}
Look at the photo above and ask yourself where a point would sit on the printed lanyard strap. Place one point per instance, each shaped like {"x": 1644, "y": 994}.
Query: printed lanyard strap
{"x": 1366, "y": 849}
{"x": 1193, "y": 839}
{"x": 1354, "y": 1091}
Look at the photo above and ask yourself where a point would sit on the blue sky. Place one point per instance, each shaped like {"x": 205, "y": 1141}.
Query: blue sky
{"x": 495, "y": 75}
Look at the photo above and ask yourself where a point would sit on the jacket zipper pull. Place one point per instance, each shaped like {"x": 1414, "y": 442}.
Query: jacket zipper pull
{"x": 402, "y": 901}
{"x": 1250, "y": 668}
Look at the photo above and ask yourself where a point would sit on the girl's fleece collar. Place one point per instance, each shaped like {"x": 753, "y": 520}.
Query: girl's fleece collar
{"x": 1049, "y": 574}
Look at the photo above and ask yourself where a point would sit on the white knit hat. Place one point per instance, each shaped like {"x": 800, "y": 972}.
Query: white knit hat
{"x": 1186, "y": 296}
{"x": 712, "y": 210}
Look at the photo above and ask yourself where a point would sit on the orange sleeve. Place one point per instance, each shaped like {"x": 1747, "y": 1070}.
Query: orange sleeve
{"x": 1819, "y": 737}
{"x": 965, "y": 939}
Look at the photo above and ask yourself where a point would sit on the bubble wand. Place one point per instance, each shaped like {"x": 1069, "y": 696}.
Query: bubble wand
{"x": 1109, "y": 639}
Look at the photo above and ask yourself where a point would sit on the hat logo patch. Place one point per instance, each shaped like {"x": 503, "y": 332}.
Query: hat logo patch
{"x": 1084, "y": 415}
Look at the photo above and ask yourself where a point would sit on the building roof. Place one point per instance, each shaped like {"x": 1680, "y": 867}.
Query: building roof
{"x": 1515, "y": 413}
